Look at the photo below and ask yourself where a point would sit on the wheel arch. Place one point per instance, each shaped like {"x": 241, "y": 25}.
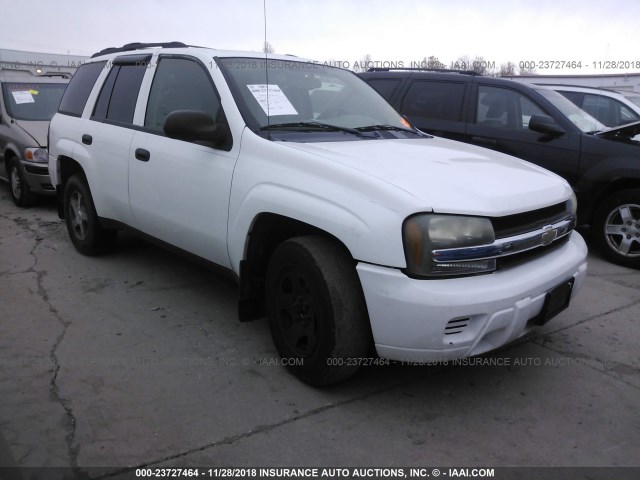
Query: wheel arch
{"x": 8, "y": 155}
{"x": 615, "y": 185}
{"x": 67, "y": 167}
{"x": 267, "y": 231}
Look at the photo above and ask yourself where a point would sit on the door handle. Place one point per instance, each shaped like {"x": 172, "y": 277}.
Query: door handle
{"x": 142, "y": 154}
{"x": 485, "y": 140}
{"x": 87, "y": 139}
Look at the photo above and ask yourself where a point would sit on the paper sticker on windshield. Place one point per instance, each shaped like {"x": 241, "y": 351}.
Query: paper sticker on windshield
{"x": 23, "y": 96}
{"x": 272, "y": 100}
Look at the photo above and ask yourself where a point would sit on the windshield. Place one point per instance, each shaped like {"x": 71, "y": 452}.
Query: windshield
{"x": 579, "y": 117}
{"x": 302, "y": 97}
{"x": 32, "y": 101}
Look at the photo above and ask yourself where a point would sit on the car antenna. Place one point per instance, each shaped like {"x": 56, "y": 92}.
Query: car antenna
{"x": 266, "y": 67}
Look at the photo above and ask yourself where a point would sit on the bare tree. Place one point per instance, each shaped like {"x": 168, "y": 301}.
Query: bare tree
{"x": 507, "y": 69}
{"x": 482, "y": 66}
{"x": 268, "y": 48}
{"x": 363, "y": 64}
{"x": 461, "y": 63}
{"x": 432, "y": 62}
{"x": 525, "y": 70}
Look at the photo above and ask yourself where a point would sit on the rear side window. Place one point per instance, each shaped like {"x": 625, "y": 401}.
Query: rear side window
{"x": 79, "y": 88}
{"x": 384, "y": 86}
{"x": 434, "y": 100}
{"x": 573, "y": 96}
{"x": 607, "y": 110}
{"x": 117, "y": 99}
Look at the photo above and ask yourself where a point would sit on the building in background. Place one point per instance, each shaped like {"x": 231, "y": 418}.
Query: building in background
{"x": 622, "y": 82}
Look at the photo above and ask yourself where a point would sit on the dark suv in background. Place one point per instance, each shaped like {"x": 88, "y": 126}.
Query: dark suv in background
{"x": 536, "y": 124}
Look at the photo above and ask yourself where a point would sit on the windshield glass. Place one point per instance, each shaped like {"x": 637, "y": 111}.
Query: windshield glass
{"x": 273, "y": 94}
{"x": 32, "y": 101}
{"x": 579, "y": 117}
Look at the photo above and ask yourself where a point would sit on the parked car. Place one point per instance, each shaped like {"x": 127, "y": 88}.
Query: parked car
{"x": 342, "y": 224}
{"x": 609, "y": 107}
{"x": 29, "y": 97}
{"x": 539, "y": 125}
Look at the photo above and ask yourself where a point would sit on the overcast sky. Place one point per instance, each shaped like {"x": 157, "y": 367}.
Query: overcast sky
{"x": 345, "y": 31}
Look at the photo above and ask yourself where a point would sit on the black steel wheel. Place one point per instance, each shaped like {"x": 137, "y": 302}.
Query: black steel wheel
{"x": 21, "y": 194}
{"x": 316, "y": 309}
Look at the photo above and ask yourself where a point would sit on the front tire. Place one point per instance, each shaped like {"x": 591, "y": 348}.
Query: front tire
{"x": 616, "y": 228}
{"x": 83, "y": 224}
{"x": 21, "y": 194}
{"x": 316, "y": 309}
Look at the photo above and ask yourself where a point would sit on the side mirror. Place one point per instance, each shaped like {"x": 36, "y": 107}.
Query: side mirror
{"x": 545, "y": 125}
{"x": 197, "y": 127}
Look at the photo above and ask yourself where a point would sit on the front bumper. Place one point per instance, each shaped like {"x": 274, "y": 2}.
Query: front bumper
{"x": 436, "y": 320}
{"x": 37, "y": 177}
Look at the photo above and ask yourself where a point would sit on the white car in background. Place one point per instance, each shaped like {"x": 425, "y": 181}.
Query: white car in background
{"x": 609, "y": 107}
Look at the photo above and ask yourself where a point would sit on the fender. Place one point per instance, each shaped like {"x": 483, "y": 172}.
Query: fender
{"x": 594, "y": 183}
{"x": 271, "y": 177}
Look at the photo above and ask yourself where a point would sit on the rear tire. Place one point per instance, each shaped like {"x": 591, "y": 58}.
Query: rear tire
{"x": 316, "y": 309}
{"x": 616, "y": 228}
{"x": 83, "y": 224}
{"x": 21, "y": 194}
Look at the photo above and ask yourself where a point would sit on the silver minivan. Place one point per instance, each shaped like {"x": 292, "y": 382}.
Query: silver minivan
{"x": 29, "y": 96}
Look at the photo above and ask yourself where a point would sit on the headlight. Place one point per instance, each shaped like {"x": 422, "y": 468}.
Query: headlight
{"x": 572, "y": 204}
{"x": 424, "y": 233}
{"x": 38, "y": 155}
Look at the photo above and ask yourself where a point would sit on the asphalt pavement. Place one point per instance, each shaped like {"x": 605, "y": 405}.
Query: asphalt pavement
{"x": 136, "y": 359}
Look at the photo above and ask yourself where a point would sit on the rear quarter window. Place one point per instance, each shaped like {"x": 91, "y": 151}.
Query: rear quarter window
{"x": 79, "y": 88}
{"x": 434, "y": 100}
{"x": 384, "y": 86}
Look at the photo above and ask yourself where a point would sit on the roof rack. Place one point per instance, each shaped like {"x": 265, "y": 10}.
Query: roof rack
{"x": 606, "y": 89}
{"x": 442, "y": 70}
{"x": 138, "y": 45}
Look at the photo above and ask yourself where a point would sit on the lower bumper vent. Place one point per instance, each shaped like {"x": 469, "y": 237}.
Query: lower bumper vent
{"x": 456, "y": 326}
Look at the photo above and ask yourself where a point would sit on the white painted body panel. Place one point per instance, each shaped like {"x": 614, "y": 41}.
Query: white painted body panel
{"x": 408, "y": 317}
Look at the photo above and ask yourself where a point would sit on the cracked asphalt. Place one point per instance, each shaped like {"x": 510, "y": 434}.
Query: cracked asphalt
{"x": 136, "y": 358}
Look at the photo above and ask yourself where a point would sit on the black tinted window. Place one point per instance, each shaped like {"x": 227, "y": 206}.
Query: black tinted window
{"x": 608, "y": 111}
{"x": 180, "y": 84}
{"x": 573, "y": 96}
{"x": 79, "y": 88}
{"x": 120, "y": 93}
{"x": 433, "y": 99}
{"x": 505, "y": 108}
{"x": 102, "y": 104}
{"x": 384, "y": 86}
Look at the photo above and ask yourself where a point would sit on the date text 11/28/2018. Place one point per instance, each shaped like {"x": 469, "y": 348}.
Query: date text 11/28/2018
{"x": 578, "y": 64}
{"x": 330, "y": 473}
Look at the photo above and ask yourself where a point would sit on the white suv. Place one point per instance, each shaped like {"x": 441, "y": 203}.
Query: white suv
{"x": 342, "y": 224}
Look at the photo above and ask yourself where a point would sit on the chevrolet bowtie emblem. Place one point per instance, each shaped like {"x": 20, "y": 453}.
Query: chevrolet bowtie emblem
{"x": 549, "y": 234}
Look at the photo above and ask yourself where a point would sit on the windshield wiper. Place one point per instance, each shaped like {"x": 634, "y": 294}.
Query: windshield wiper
{"x": 376, "y": 128}
{"x": 311, "y": 126}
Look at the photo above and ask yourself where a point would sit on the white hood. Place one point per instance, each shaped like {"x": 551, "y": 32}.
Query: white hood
{"x": 448, "y": 176}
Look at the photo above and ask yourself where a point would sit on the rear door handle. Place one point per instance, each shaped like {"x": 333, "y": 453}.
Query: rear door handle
{"x": 87, "y": 139}
{"x": 485, "y": 140}
{"x": 142, "y": 154}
